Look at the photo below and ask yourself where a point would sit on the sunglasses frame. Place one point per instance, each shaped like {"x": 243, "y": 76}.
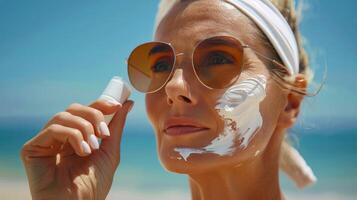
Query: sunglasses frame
{"x": 243, "y": 46}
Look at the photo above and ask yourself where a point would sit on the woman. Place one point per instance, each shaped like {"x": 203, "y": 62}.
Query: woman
{"x": 224, "y": 80}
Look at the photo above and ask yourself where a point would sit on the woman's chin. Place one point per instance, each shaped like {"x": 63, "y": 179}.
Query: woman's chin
{"x": 178, "y": 165}
{"x": 194, "y": 163}
{"x": 188, "y": 160}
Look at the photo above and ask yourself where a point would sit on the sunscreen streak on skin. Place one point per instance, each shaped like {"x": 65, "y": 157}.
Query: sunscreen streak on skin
{"x": 239, "y": 108}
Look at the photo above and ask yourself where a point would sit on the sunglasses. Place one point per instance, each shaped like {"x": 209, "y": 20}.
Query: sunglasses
{"x": 217, "y": 63}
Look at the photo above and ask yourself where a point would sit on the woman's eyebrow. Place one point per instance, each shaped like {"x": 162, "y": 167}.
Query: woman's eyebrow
{"x": 166, "y": 48}
{"x": 159, "y": 49}
{"x": 219, "y": 41}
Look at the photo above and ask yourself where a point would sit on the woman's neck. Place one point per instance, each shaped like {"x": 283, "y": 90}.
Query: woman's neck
{"x": 258, "y": 179}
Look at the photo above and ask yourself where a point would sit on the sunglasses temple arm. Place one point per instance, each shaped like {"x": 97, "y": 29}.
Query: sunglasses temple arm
{"x": 283, "y": 67}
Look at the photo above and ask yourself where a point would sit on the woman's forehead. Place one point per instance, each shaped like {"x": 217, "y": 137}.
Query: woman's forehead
{"x": 192, "y": 22}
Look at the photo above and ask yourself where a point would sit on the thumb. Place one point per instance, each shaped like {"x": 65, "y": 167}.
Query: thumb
{"x": 111, "y": 144}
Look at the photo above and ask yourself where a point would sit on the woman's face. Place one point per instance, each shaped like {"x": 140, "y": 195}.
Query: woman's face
{"x": 184, "y": 100}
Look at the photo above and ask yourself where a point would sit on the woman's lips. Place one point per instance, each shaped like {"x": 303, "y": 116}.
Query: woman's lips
{"x": 182, "y": 125}
{"x": 181, "y": 130}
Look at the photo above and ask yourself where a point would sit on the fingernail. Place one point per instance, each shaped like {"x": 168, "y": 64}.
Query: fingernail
{"x": 103, "y": 128}
{"x": 93, "y": 141}
{"x": 85, "y": 147}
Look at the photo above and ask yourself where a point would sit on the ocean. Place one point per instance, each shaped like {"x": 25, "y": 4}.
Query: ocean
{"x": 331, "y": 153}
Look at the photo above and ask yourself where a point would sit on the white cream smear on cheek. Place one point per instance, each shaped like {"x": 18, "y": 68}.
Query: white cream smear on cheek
{"x": 239, "y": 107}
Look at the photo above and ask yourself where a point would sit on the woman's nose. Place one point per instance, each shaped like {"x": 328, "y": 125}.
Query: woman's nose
{"x": 178, "y": 90}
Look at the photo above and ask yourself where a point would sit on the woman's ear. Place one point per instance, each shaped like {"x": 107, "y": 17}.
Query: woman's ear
{"x": 291, "y": 111}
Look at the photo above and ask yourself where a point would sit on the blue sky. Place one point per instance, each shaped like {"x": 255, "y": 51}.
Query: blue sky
{"x": 53, "y": 53}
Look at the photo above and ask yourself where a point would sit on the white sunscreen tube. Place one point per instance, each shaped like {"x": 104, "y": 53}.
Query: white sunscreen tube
{"x": 116, "y": 91}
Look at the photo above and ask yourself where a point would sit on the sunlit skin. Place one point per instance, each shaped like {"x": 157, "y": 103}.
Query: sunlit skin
{"x": 250, "y": 173}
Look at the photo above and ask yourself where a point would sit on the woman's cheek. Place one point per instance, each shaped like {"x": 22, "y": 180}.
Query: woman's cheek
{"x": 270, "y": 109}
{"x": 151, "y": 110}
{"x": 239, "y": 107}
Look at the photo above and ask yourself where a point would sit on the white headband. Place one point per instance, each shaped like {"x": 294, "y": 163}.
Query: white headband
{"x": 269, "y": 20}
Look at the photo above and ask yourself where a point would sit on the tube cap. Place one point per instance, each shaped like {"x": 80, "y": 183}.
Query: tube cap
{"x": 117, "y": 90}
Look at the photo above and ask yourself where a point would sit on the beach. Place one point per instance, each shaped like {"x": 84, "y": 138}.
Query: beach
{"x": 18, "y": 190}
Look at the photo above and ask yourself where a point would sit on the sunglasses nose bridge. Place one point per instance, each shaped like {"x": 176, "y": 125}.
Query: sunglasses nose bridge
{"x": 180, "y": 54}
{"x": 178, "y": 59}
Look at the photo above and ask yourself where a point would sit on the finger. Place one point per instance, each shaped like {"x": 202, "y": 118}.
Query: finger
{"x": 106, "y": 108}
{"x": 43, "y": 144}
{"x": 76, "y": 122}
{"x": 112, "y": 143}
{"x": 94, "y": 116}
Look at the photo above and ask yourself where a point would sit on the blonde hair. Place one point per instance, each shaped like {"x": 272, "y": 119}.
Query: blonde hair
{"x": 293, "y": 16}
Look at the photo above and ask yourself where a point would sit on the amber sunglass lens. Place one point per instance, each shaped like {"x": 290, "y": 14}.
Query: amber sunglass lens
{"x": 150, "y": 65}
{"x": 218, "y": 61}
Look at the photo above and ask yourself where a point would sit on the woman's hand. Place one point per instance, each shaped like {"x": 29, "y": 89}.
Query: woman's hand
{"x": 64, "y": 160}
